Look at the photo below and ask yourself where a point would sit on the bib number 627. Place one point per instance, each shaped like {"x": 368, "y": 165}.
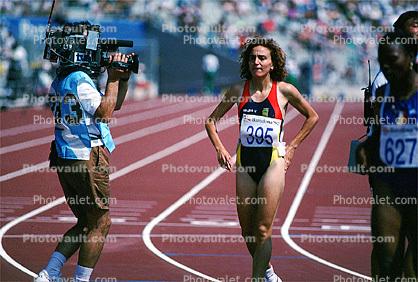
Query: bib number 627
{"x": 400, "y": 151}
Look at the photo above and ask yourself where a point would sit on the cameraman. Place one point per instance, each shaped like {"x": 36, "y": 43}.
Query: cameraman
{"x": 80, "y": 153}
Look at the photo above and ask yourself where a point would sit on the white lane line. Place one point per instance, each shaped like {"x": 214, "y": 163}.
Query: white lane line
{"x": 136, "y": 165}
{"x": 172, "y": 238}
{"x": 154, "y": 157}
{"x": 27, "y": 144}
{"x": 73, "y": 219}
{"x": 119, "y": 140}
{"x": 23, "y": 129}
{"x": 25, "y": 170}
{"x": 158, "y": 127}
{"x": 364, "y": 228}
{"x": 120, "y": 121}
{"x": 304, "y": 186}
{"x": 146, "y": 233}
{"x": 167, "y": 151}
{"x": 35, "y": 127}
{"x": 18, "y": 220}
{"x": 160, "y": 112}
{"x": 145, "y": 105}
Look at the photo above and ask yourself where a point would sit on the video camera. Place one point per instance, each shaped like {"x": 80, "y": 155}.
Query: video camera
{"x": 79, "y": 46}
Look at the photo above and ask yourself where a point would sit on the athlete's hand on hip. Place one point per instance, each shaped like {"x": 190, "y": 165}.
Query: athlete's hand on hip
{"x": 290, "y": 151}
{"x": 115, "y": 73}
{"x": 224, "y": 159}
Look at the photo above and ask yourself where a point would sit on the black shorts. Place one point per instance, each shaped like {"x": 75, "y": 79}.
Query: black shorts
{"x": 403, "y": 182}
{"x": 256, "y": 160}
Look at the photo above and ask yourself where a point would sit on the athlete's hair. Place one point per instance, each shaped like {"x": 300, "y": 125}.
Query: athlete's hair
{"x": 407, "y": 43}
{"x": 278, "y": 57}
{"x": 400, "y": 22}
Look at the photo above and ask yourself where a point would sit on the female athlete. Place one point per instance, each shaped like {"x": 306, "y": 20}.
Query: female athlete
{"x": 262, "y": 157}
{"x": 393, "y": 144}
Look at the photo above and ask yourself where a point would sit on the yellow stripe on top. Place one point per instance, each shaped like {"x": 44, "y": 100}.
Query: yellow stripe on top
{"x": 274, "y": 155}
{"x": 238, "y": 159}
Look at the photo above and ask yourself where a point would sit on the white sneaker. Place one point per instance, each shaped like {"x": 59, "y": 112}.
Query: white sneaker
{"x": 271, "y": 276}
{"x": 43, "y": 276}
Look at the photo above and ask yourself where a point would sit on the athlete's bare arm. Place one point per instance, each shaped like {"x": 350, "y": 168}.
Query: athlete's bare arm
{"x": 296, "y": 100}
{"x": 363, "y": 150}
{"x": 230, "y": 97}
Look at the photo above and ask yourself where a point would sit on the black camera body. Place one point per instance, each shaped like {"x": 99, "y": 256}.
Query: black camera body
{"x": 79, "y": 46}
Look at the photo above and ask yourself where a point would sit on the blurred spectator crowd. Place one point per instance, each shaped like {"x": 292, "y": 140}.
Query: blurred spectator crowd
{"x": 345, "y": 30}
{"x": 22, "y": 81}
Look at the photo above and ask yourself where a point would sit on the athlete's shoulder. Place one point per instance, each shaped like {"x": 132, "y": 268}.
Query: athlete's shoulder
{"x": 235, "y": 90}
{"x": 238, "y": 88}
{"x": 380, "y": 91}
{"x": 379, "y": 80}
{"x": 287, "y": 89}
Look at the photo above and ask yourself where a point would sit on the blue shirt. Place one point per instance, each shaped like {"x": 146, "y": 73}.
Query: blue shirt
{"x": 73, "y": 102}
{"x": 396, "y": 110}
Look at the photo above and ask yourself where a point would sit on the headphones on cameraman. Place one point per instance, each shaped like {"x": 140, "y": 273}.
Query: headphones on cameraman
{"x": 78, "y": 46}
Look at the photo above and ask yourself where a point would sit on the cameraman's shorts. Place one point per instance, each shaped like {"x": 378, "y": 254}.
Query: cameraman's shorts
{"x": 85, "y": 182}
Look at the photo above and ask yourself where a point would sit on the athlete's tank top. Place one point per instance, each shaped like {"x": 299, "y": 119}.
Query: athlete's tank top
{"x": 399, "y": 131}
{"x": 261, "y": 123}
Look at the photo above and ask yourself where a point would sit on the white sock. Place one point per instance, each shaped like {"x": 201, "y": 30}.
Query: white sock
{"x": 270, "y": 272}
{"x": 82, "y": 273}
{"x": 55, "y": 263}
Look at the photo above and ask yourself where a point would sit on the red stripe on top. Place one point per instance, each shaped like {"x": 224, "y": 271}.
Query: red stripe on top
{"x": 272, "y": 97}
{"x": 273, "y": 101}
{"x": 245, "y": 96}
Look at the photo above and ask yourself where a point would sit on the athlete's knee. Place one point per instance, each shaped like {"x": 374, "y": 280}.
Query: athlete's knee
{"x": 99, "y": 219}
{"x": 386, "y": 264}
{"x": 105, "y": 222}
{"x": 388, "y": 250}
{"x": 81, "y": 222}
{"x": 263, "y": 233}
{"x": 386, "y": 257}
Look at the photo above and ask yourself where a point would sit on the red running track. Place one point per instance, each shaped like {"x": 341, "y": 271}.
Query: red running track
{"x": 161, "y": 164}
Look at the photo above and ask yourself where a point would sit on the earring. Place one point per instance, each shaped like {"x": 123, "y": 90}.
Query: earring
{"x": 411, "y": 65}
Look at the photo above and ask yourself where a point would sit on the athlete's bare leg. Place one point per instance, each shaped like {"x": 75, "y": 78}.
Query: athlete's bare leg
{"x": 269, "y": 194}
{"x": 246, "y": 189}
{"x": 411, "y": 261}
{"x": 386, "y": 223}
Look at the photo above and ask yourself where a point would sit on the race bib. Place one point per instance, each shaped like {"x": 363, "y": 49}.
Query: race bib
{"x": 259, "y": 131}
{"x": 398, "y": 145}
